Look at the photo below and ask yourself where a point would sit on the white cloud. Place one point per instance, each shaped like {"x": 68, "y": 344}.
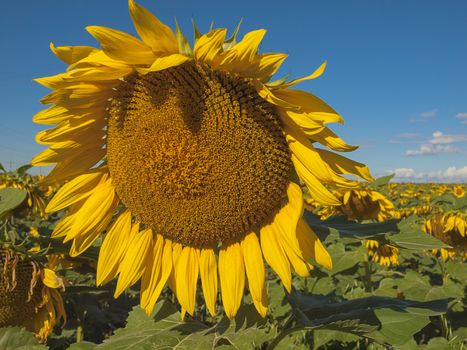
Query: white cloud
{"x": 451, "y": 174}
{"x": 428, "y": 114}
{"x": 462, "y": 116}
{"x": 440, "y": 138}
{"x": 439, "y": 143}
{"x": 430, "y": 149}
{"x": 425, "y": 116}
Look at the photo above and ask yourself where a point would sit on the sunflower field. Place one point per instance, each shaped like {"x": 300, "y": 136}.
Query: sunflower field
{"x": 398, "y": 281}
{"x": 197, "y": 201}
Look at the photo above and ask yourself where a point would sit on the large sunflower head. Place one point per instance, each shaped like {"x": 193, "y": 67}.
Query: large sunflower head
{"x": 29, "y": 295}
{"x": 191, "y": 158}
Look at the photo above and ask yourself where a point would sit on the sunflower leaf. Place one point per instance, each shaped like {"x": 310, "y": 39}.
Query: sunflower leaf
{"x": 15, "y": 338}
{"x": 165, "y": 329}
{"x": 10, "y": 198}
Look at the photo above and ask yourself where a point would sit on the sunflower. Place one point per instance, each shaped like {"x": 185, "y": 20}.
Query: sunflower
{"x": 360, "y": 204}
{"x": 383, "y": 254}
{"x": 29, "y": 295}
{"x": 458, "y": 191}
{"x": 191, "y": 158}
{"x": 450, "y": 228}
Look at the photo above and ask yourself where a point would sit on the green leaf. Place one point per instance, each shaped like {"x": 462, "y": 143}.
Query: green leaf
{"x": 323, "y": 336}
{"x": 2, "y": 168}
{"x": 398, "y": 327}
{"x": 347, "y": 228}
{"x": 381, "y": 181}
{"x": 10, "y": 198}
{"x": 165, "y": 330}
{"x": 84, "y": 345}
{"x": 411, "y": 236}
{"x": 343, "y": 259}
{"x": 15, "y": 338}
{"x": 23, "y": 169}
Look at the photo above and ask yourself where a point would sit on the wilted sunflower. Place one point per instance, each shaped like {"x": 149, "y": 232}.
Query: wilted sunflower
{"x": 450, "y": 228}
{"x": 360, "y": 204}
{"x": 198, "y": 152}
{"x": 29, "y": 295}
{"x": 383, "y": 254}
{"x": 34, "y": 201}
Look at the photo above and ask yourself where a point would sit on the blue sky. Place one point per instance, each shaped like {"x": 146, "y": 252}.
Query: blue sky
{"x": 397, "y": 69}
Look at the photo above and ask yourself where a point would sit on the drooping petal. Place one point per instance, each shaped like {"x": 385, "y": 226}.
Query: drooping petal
{"x": 311, "y": 246}
{"x": 254, "y": 266}
{"x": 166, "y": 270}
{"x": 208, "y": 272}
{"x": 135, "y": 260}
{"x": 187, "y": 271}
{"x": 232, "y": 278}
{"x": 152, "y": 272}
{"x": 274, "y": 254}
{"x": 113, "y": 248}
{"x": 308, "y": 103}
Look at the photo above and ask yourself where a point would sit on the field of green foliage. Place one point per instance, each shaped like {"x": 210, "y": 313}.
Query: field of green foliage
{"x": 398, "y": 281}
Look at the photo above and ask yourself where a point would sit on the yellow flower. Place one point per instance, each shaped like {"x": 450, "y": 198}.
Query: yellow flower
{"x": 383, "y": 254}
{"x": 196, "y": 154}
{"x": 450, "y": 228}
{"x": 361, "y": 204}
{"x": 458, "y": 191}
{"x": 29, "y": 295}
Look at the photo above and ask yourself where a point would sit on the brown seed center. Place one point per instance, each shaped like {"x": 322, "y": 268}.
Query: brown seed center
{"x": 197, "y": 154}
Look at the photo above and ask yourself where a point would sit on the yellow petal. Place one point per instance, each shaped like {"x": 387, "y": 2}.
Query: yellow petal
{"x": 263, "y": 66}
{"x": 208, "y": 272}
{"x": 52, "y": 115}
{"x": 152, "y": 272}
{"x": 187, "y": 271}
{"x": 154, "y": 33}
{"x": 51, "y": 280}
{"x": 73, "y": 166}
{"x": 94, "y": 209}
{"x": 86, "y": 238}
{"x": 329, "y": 139}
{"x": 345, "y": 165}
{"x": 135, "y": 260}
{"x": 242, "y": 54}
{"x": 166, "y": 270}
{"x": 287, "y": 217}
{"x": 122, "y": 46}
{"x": 311, "y": 246}
{"x": 317, "y": 73}
{"x": 274, "y": 254}
{"x": 113, "y": 248}
{"x": 254, "y": 267}
{"x": 72, "y": 54}
{"x": 319, "y": 192}
{"x": 208, "y": 46}
{"x": 308, "y": 103}
{"x": 77, "y": 189}
{"x": 232, "y": 278}
{"x": 165, "y": 62}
